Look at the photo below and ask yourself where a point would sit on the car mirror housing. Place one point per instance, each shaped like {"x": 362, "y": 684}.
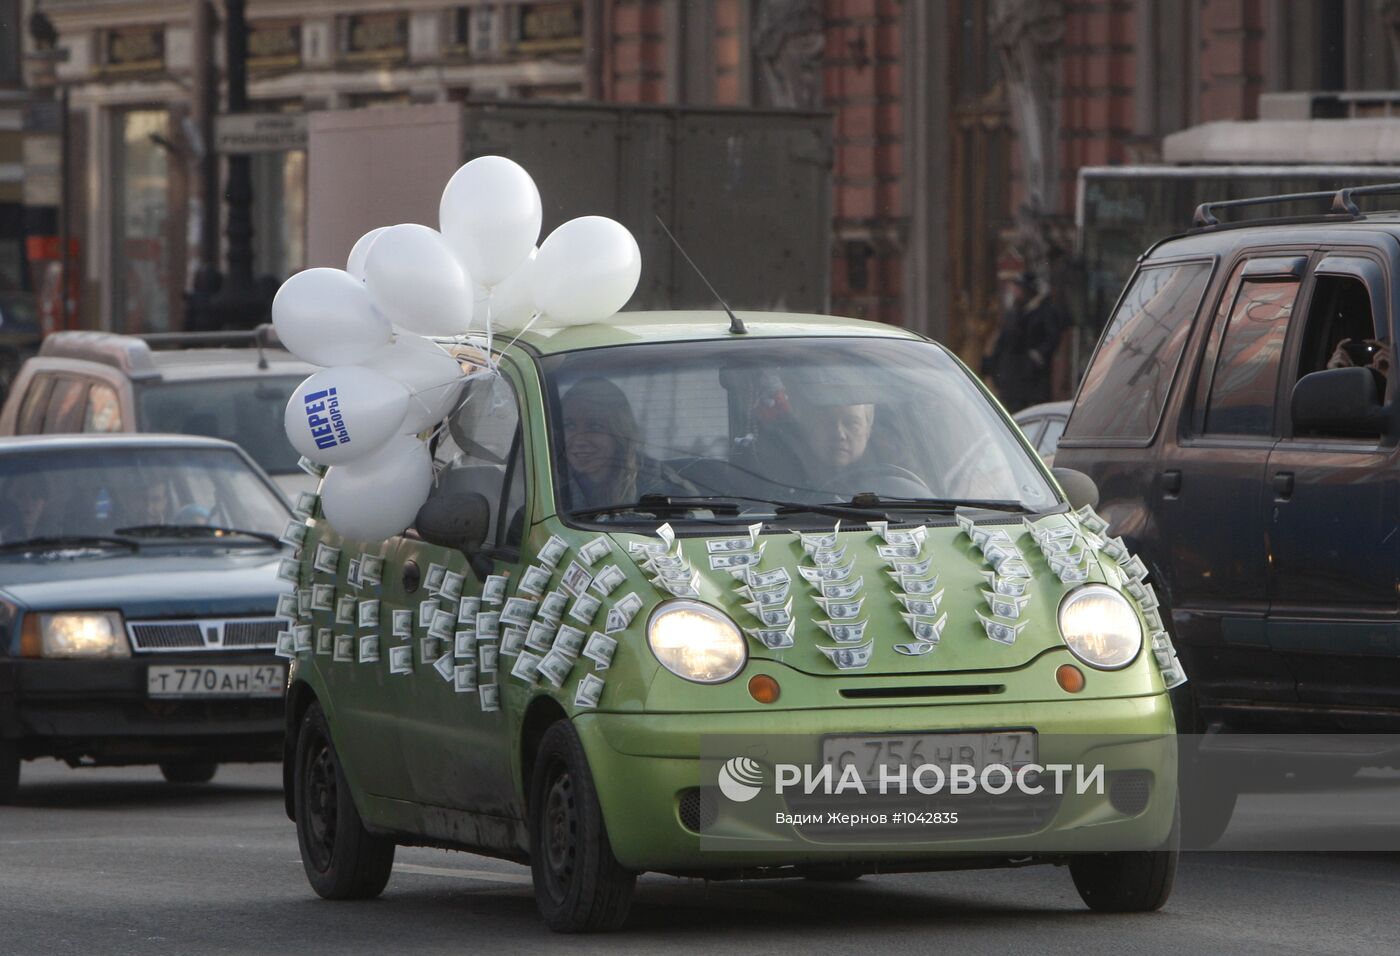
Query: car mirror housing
{"x": 1339, "y": 401}
{"x": 454, "y": 518}
{"x": 1079, "y": 488}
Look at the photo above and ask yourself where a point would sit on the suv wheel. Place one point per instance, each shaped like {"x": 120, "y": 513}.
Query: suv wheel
{"x": 1136, "y": 881}
{"x": 188, "y": 772}
{"x": 579, "y": 885}
{"x": 9, "y": 771}
{"x": 343, "y": 861}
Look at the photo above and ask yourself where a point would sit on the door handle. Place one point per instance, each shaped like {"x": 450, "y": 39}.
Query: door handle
{"x": 1171, "y": 482}
{"x": 1283, "y": 485}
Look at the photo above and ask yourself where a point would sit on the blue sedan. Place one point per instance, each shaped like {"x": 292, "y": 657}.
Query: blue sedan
{"x": 138, "y": 599}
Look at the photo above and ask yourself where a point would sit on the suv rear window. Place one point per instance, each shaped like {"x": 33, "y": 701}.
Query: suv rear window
{"x": 1126, "y": 386}
{"x": 246, "y": 411}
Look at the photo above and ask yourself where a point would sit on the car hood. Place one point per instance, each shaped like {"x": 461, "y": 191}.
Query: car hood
{"x": 961, "y": 577}
{"x": 173, "y": 582}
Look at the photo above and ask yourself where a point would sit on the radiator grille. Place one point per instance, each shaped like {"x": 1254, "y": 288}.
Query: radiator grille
{"x": 203, "y": 635}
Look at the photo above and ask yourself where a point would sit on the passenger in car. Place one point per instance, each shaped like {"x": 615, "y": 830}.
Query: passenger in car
{"x": 603, "y": 448}
{"x": 1362, "y": 353}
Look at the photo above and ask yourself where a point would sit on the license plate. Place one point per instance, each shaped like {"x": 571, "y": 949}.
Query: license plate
{"x": 869, "y": 752}
{"x": 216, "y": 680}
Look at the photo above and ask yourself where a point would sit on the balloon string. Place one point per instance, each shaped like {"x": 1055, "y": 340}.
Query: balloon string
{"x": 523, "y": 329}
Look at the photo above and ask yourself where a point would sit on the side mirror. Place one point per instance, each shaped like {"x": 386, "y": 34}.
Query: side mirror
{"x": 454, "y": 516}
{"x": 1339, "y": 401}
{"x": 1079, "y": 487}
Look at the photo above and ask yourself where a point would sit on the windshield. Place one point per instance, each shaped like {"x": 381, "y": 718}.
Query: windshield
{"x": 246, "y": 411}
{"x": 815, "y": 421}
{"x": 99, "y": 491}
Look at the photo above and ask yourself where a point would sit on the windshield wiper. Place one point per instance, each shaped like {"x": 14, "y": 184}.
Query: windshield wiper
{"x": 662, "y": 504}
{"x": 195, "y": 530}
{"x": 727, "y": 504}
{"x": 948, "y": 505}
{"x": 59, "y": 541}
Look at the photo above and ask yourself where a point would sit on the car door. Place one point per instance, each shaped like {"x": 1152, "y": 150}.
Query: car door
{"x": 1211, "y": 477}
{"x": 1331, "y": 507}
{"x": 458, "y": 752}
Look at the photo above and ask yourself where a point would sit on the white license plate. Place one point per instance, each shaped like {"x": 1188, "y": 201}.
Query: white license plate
{"x": 869, "y": 752}
{"x": 216, "y": 680}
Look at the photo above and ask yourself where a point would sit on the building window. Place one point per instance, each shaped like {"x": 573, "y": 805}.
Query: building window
{"x": 475, "y": 31}
{"x": 547, "y": 27}
{"x": 142, "y": 273}
{"x": 374, "y": 36}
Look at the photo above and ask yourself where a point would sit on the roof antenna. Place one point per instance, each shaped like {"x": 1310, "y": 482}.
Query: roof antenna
{"x": 736, "y": 325}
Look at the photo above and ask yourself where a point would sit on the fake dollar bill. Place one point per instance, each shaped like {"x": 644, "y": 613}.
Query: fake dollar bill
{"x": 736, "y": 559}
{"x": 344, "y": 649}
{"x": 487, "y": 656}
{"x": 289, "y": 569}
{"x": 464, "y": 644}
{"x": 1152, "y": 617}
{"x": 369, "y": 613}
{"x": 595, "y": 550}
{"x": 818, "y": 576}
{"x": 433, "y": 581}
{"x": 1003, "y": 632}
{"x": 301, "y": 639}
{"x": 488, "y": 625}
{"x": 303, "y": 602}
{"x": 912, "y": 569}
{"x": 1145, "y": 594}
{"x": 925, "y": 605}
{"x": 306, "y": 504}
{"x": 766, "y": 597}
{"x": 599, "y": 650}
{"x": 1133, "y": 568}
{"x": 518, "y": 611}
{"x": 917, "y": 586}
{"x": 828, "y": 557}
{"x": 585, "y": 608}
{"x": 765, "y": 579}
{"x": 817, "y": 542}
{"x": 430, "y": 649}
{"x": 371, "y": 569}
{"x": 1089, "y": 520}
{"x": 589, "y": 692}
{"x": 526, "y": 667}
{"x": 1014, "y": 568}
{"x": 771, "y": 616}
{"x": 294, "y": 534}
{"x": 369, "y": 649}
{"x": 897, "y": 552}
{"x": 773, "y": 638}
{"x": 286, "y": 645}
{"x": 620, "y": 615}
{"x": 464, "y": 679}
{"x": 352, "y": 574}
{"x": 427, "y": 610}
{"x": 513, "y": 641}
{"x": 1115, "y": 549}
{"x": 287, "y": 606}
{"x": 467, "y": 610}
{"x": 553, "y": 550}
{"x": 540, "y": 637}
{"x": 401, "y": 623}
{"x": 1006, "y": 605}
{"x": 840, "y": 610}
{"x": 724, "y": 545}
{"x": 452, "y": 585}
{"x": 606, "y": 581}
{"x": 534, "y": 580}
{"x": 1005, "y": 584}
{"x": 554, "y": 604}
{"x": 327, "y": 559}
{"x": 445, "y": 667}
{"x": 569, "y": 641}
{"x": 926, "y": 629}
{"x": 345, "y": 609}
{"x": 442, "y": 626}
{"x": 312, "y": 468}
{"x": 576, "y": 578}
{"x": 555, "y": 667}
{"x": 849, "y": 658}
{"x": 494, "y": 590}
{"x": 841, "y": 590}
{"x": 490, "y": 697}
{"x": 844, "y": 632}
{"x": 401, "y": 659}
{"x": 687, "y": 586}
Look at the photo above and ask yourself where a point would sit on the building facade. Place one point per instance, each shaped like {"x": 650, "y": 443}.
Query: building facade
{"x": 959, "y": 125}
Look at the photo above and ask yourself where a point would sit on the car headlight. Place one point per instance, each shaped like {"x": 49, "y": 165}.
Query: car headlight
{"x": 75, "y": 634}
{"x": 1100, "y": 627}
{"x": 697, "y": 642}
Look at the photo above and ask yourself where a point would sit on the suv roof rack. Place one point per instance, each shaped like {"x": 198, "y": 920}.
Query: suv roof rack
{"x": 1343, "y": 209}
{"x": 132, "y": 353}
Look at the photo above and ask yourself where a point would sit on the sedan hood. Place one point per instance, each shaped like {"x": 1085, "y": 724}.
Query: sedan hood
{"x": 154, "y": 582}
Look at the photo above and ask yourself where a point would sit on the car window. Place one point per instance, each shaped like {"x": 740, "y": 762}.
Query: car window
{"x": 1244, "y": 378}
{"x": 36, "y": 403}
{"x": 816, "y": 420}
{"x": 246, "y": 411}
{"x": 66, "y": 405}
{"x": 1125, "y": 387}
{"x": 481, "y": 448}
{"x": 1049, "y": 440}
{"x": 104, "y": 411}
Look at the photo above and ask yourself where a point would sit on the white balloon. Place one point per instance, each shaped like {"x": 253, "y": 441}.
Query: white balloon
{"x": 432, "y": 377}
{"x": 325, "y": 317}
{"x": 378, "y": 496}
{"x": 341, "y": 414}
{"x": 355, "y": 264}
{"x": 416, "y": 281}
{"x": 513, "y": 300}
{"x": 586, "y": 270}
{"x": 490, "y": 213}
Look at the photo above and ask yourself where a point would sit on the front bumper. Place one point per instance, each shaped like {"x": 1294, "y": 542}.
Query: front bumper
{"x": 645, "y": 766}
{"x": 100, "y": 711}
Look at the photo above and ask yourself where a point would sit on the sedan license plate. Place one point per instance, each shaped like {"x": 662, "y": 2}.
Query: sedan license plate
{"x": 869, "y": 752}
{"x": 216, "y": 680}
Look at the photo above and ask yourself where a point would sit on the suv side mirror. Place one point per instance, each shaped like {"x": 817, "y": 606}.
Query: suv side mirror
{"x": 1079, "y": 487}
{"x": 1339, "y": 401}
{"x": 455, "y": 515}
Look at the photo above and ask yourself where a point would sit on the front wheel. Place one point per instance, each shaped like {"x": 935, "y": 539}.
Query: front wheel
{"x": 579, "y": 885}
{"x": 1134, "y": 881}
{"x": 343, "y": 861}
{"x": 188, "y": 772}
{"x": 9, "y": 772}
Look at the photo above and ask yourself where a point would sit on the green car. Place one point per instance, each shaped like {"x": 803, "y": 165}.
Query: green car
{"x": 684, "y": 585}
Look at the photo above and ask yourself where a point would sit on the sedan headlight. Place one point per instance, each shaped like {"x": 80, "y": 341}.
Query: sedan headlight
{"x": 74, "y": 634}
{"x": 1100, "y": 627}
{"x": 697, "y": 642}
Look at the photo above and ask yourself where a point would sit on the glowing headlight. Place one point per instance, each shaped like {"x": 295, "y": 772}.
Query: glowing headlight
{"x": 1100, "y": 627}
{"x": 83, "y": 634}
{"x": 697, "y": 642}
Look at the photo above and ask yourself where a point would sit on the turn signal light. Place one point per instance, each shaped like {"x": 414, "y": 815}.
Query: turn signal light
{"x": 1070, "y": 678}
{"x": 31, "y": 638}
{"x": 764, "y": 689}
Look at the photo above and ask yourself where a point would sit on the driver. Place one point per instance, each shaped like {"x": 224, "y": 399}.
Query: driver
{"x": 837, "y": 436}
{"x": 846, "y": 454}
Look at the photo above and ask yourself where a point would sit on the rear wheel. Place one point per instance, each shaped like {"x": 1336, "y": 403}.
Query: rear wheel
{"x": 188, "y": 772}
{"x": 9, "y": 772}
{"x": 1135, "y": 881}
{"x": 343, "y": 861}
{"x": 579, "y": 885}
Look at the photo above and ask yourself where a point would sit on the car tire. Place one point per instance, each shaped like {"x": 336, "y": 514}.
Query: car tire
{"x": 1133, "y": 881}
{"x": 9, "y": 772}
{"x": 188, "y": 772}
{"x": 343, "y": 860}
{"x": 579, "y": 885}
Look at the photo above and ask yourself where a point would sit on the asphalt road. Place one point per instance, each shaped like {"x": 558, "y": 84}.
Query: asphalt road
{"x": 98, "y": 862}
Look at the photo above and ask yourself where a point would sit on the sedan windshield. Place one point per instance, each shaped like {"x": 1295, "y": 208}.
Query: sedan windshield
{"x": 891, "y": 424}
{"x": 59, "y": 494}
{"x": 246, "y": 411}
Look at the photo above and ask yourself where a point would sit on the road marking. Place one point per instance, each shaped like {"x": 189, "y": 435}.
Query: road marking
{"x": 485, "y": 876}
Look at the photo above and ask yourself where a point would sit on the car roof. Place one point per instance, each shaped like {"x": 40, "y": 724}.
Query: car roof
{"x": 174, "y": 356}
{"x": 85, "y": 442}
{"x": 636, "y": 328}
{"x": 1222, "y": 240}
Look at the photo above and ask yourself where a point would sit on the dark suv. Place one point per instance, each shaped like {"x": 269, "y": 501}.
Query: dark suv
{"x": 1238, "y": 417}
